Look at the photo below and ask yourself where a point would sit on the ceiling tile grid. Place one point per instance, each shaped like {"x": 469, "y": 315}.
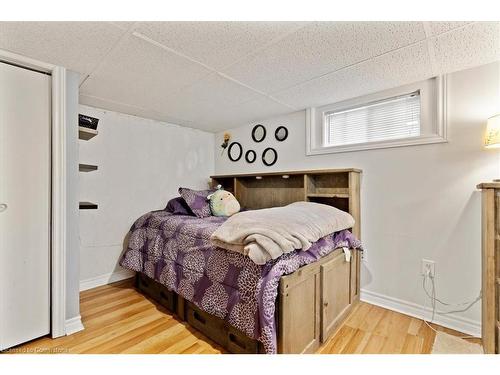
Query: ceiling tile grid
{"x": 216, "y": 75}
{"x": 400, "y": 67}
{"x": 320, "y": 48}
{"x": 124, "y": 25}
{"x": 438, "y": 27}
{"x": 473, "y": 45}
{"x": 142, "y": 74}
{"x": 110, "y": 105}
{"x": 212, "y": 92}
{"x": 216, "y": 44}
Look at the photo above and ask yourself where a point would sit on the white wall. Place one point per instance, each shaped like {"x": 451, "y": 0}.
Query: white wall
{"x": 141, "y": 164}
{"x": 417, "y": 202}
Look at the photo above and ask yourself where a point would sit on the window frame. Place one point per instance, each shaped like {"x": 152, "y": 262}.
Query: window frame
{"x": 433, "y": 118}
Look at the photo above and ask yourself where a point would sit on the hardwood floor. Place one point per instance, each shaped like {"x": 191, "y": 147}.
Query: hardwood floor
{"x": 118, "y": 319}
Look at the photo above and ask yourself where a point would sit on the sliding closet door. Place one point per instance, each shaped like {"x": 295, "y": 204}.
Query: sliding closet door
{"x": 24, "y": 205}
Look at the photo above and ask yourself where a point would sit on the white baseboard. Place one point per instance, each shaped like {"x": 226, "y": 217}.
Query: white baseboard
{"x": 105, "y": 279}
{"x": 458, "y": 323}
{"x": 74, "y": 325}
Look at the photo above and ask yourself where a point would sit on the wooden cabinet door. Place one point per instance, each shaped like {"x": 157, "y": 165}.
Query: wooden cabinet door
{"x": 299, "y": 316}
{"x": 335, "y": 293}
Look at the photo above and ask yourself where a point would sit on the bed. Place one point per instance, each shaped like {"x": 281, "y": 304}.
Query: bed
{"x": 288, "y": 305}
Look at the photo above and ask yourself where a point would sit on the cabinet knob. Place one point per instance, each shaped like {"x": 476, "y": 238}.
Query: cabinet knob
{"x": 3, "y": 207}
{"x": 325, "y": 304}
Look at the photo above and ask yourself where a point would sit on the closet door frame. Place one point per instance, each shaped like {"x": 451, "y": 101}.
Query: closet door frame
{"x": 58, "y": 184}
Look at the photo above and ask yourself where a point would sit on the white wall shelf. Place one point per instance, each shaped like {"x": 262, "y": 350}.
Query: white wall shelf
{"x": 86, "y": 134}
{"x": 87, "y": 167}
{"x": 88, "y": 206}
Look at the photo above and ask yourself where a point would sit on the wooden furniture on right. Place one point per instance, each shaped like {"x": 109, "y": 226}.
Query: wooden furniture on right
{"x": 490, "y": 320}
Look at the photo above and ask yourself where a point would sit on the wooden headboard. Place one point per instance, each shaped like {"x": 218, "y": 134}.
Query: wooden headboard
{"x": 335, "y": 187}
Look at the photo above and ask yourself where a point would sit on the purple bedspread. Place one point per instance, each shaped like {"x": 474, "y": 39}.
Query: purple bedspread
{"x": 176, "y": 251}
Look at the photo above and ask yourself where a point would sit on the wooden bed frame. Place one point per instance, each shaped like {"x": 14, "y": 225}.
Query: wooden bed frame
{"x": 314, "y": 300}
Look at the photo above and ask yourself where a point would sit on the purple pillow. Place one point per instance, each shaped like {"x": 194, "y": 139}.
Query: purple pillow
{"x": 178, "y": 206}
{"x": 197, "y": 201}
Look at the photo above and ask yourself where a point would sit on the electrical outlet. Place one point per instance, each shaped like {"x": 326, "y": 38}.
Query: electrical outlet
{"x": 428, "y": 266}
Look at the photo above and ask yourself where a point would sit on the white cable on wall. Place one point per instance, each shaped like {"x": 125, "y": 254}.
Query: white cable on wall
{"x": 434, "y": 299}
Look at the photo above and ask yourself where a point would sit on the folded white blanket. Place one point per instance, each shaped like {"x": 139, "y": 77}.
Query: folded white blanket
{"x": 268, "y": 233}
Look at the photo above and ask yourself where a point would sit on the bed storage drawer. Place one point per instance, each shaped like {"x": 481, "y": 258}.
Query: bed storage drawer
{"x": 238, "y": 342}
{"x": 204, "y": 322}
{"x": 219, "y": 331}
{"x": 156, "y": 291}
{"x": 312, "y": 302}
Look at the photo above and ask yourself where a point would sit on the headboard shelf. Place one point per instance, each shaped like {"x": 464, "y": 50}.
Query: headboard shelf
{"x": 328, "y": 195}
{"x": 281, "y": 173}
{"x": 335, "y": 187}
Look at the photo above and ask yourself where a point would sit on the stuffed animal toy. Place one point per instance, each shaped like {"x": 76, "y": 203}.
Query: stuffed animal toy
{"x": 223, "y": 203}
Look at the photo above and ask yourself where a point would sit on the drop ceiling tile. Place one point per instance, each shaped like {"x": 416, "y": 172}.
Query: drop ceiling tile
{"x": 439, "y": 27}
{"x": 393, "y": 69}
{"x": 142, "y": 74}
{"x": 110, "y": 105}
{"x": 216, "y": 44}
{"x": 301, "y": 64}
{"x": 241, "y": 114}
{"x": 124, "y": 25}
{"x": 320, "y": 48}
{"x": 205, "y": 95}
{"x": 78, "y": 46}
{"x": 400, "y": 67}
{"x": 472, "y": 45}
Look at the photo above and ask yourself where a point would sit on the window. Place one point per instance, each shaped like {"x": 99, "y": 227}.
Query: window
{"x": 409, "y": 115}
{"x": 391, "y": 118}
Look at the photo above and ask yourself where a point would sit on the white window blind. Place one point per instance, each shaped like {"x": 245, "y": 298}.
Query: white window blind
{"x": 393, "y": 118}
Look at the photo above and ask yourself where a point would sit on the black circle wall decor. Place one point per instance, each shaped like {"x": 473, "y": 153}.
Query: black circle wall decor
{"x": 250, "y": 156}
{"x": 258, "y": 133}
{"x": 269, "y": 156}
{"x": 234, "y": 151}
{"x": 281, "y": 133}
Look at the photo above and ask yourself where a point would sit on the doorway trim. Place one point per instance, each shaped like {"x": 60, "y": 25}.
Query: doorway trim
{"x": 58, "y": 184}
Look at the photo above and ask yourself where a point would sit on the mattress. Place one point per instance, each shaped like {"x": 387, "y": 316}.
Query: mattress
{"x": 176, "y": 251}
